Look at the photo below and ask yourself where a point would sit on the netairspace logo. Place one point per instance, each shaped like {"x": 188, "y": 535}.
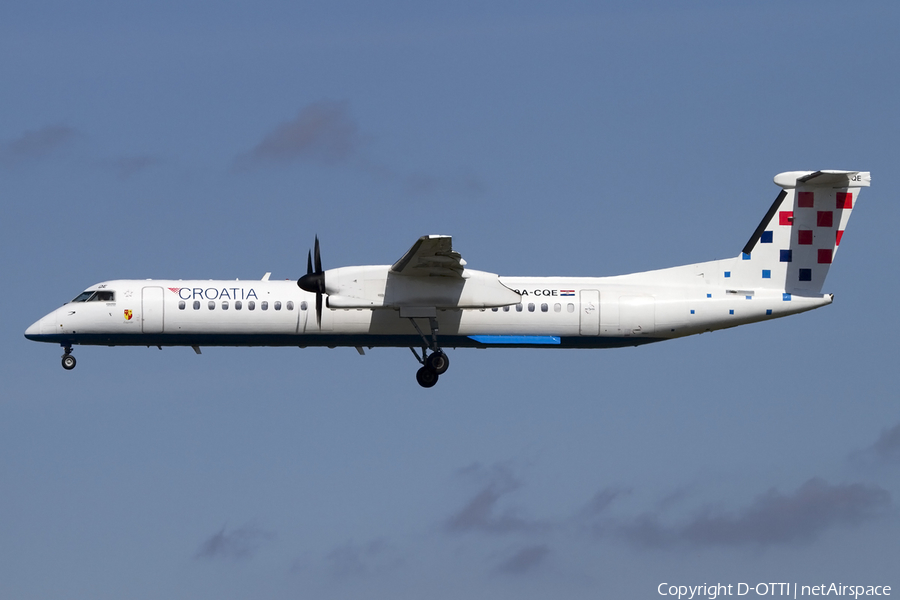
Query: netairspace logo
{"x": 794, "y": 590}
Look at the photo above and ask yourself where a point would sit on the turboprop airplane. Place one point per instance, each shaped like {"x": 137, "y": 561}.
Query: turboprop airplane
{"x": 779, "y": 272}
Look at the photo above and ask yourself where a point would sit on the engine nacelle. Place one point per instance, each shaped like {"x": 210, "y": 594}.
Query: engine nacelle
{"x": 379, "y": 287}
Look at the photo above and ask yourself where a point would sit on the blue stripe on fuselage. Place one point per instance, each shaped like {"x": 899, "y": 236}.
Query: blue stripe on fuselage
{"x": 539, "y": 340}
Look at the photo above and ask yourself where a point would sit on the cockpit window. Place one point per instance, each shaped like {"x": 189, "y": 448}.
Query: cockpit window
{"x": 96, "y": 296}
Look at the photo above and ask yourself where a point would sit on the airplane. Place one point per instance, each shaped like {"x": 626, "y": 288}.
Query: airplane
{"x": 430, "y": 299}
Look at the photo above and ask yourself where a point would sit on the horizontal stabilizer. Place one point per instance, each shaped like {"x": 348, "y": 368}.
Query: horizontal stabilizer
{"x": 840, "y": 179}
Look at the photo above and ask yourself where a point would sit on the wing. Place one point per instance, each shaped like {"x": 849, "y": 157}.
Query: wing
{"x": 431, "y": 256}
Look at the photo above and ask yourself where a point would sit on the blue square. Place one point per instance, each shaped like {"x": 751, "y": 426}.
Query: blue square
{"x": 731, "y": 312}
{"x": 748, "y": 297}
{"x": 767, "y": 274}
{"x": 692, "y": 311}
{"x": 709, "y": 295}
{"x": 786, "y": 255}
{"x": 745, "y": 256}
{"x": 727, "y": 273}
{"x": 768, "y": 311}
{"x": 805, "y": 274}
{"x": 786, "y": 297}
{"x": 766, "y": 237}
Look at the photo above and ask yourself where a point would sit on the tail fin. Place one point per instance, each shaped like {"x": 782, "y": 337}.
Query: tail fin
{"x": 797, "y": 240}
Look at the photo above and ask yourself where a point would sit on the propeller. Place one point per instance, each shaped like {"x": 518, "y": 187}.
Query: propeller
{"x": 314, "y": 281}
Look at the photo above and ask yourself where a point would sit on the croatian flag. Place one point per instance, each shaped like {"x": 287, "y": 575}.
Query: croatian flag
{"x": 566, "y": 292}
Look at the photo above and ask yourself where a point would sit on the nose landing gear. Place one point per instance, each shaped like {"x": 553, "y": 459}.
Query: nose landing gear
{"x": 433, "y": 364}
{"x": 68, "y": 361}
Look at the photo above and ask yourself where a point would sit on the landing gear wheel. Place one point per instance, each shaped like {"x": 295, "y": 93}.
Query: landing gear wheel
{"x": 438, "y": 361}
{"x": 68, "y": 362}
{"x": 427, "y": 377}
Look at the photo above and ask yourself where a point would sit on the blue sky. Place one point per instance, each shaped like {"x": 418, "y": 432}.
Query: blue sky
{"x": 215, "y": 140}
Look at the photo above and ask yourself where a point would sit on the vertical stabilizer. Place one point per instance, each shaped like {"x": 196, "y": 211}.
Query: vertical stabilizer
{"x": 798, "y": 239}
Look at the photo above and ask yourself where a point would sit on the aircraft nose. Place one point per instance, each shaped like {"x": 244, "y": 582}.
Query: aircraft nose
{"x": 34, "y": 331}
{"x": 40, "y": 329}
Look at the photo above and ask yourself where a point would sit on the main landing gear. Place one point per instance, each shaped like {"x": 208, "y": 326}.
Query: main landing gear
{"x": 68, "y": 361}
{"x": 433, "y": 364}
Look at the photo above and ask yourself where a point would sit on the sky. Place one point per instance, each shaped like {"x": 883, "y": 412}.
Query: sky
{"x": 217, "y": 139}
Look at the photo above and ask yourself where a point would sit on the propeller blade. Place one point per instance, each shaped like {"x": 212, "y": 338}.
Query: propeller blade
{"x": 319, "y": 309}
{"x": 314, "y": 280}
{"x": 318, "y": 258}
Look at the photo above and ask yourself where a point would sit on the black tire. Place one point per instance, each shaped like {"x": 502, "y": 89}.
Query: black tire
{"x": 427, "y": 377}
{"x": 439, "y": 362}
{"x": 68, "y": 362}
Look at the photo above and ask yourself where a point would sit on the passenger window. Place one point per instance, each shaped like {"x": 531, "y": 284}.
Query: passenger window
{"x": 544, "y": 307}
{"x": 264, "y": 305}
{"x": 181, "y": 305}
{"x": 495, "y": 309}
{"x": 505, "y": 309}
{"x": 570, "y": 307}
{"x": 519, "y": 307}
{"x": 212, "y": 305}
{"x": 196, "y": 305}
{"x": 225, "y": 305}
{"x": 304, "y": 305}
{"x": 278, "y": 305}
{"x": 557, "y": 307}
{"x": 290, "y": 305}
{"x": 251, "y": 305}
{"x": 531, "y": 307}
{"x": 238, "y": 305}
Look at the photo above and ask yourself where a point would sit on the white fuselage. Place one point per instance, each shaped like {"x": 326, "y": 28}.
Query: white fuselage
{"x": 554, "y": 311}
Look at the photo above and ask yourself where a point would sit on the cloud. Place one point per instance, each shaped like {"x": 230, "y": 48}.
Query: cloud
{"x": 593, "y": 515}
{"x": 887, "y": 446}
{"x": 37, "y": 144}
{"x": 354, "y": 560}
{"x": 481, "y": 513}
{"x": 239, "y": 544}
{"x": 326, "y": 133}
{"x": 322, "y": 132}
{"x": 525, "y": 560}
{"x": 773, "y": 518}
{"x": 601, "y": 501}
{"x": 885, "y": 450}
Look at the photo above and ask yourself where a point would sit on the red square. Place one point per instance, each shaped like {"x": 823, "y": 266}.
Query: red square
{"x": 824, "y": 256}
{"x": 825, "y": 218}
{"x": 837, "y": 237}
{"x": 844, "y": 200}
{"x": 785, "y": 217}
{"x": 804, "y": 237}
{"x": 805, "y": 199}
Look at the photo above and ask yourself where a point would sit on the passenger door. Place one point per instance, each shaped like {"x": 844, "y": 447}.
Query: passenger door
{"x": 589, "y": 323}
{"x": 152, "y": 310}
